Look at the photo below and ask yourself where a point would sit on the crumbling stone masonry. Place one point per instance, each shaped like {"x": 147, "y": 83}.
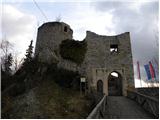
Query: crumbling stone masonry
{"x": 105, "y": 54}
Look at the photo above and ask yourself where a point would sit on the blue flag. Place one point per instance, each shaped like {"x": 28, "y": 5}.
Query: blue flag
{"x": 148, "y": 71}
{"x": 156, "y": 69}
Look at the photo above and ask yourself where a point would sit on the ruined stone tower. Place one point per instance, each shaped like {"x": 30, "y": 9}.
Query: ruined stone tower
{"x": 50, "y": 35}
{"x": 106, "y": 55}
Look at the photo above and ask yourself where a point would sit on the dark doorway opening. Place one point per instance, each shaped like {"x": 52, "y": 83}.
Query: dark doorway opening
{"x": 114, "y": 84}
{"x": 100, "y": 87}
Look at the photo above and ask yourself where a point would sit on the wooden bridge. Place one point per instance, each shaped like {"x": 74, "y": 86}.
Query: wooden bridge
{"x": 134, "y": 106}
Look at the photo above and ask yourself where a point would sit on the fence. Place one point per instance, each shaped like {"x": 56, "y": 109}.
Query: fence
{"x": 148, "y": 103}
{"x": 98, "y": 111}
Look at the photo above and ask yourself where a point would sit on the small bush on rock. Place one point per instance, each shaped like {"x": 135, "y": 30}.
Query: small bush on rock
{"x": 73, "y": 50}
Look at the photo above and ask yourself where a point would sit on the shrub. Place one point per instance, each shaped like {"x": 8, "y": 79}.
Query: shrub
{"x": 63, "y": 77}
{"x": 73, "y": 50}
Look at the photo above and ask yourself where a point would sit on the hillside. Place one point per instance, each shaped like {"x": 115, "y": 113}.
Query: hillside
{"x": 49, "y": 100}
{"x": 45, "y": 91}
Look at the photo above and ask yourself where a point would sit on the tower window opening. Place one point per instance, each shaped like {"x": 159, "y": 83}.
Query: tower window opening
{"x": 114, "y": 48}
{"x": 65, "y": 29}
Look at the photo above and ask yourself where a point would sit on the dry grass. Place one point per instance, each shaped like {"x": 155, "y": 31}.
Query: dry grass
{"x": 48, "y": 100}
{"x": 7, "y": 103}
{"x": 58, "y": 102}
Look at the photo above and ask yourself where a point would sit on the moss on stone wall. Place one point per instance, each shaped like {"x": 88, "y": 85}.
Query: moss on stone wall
{"x": 73, "y": 50}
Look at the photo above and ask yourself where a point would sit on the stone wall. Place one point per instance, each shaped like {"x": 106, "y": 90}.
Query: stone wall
{"x": 50, "y": 35}
{"x": 66, "y": 64}
{"x": 98, "y": 55}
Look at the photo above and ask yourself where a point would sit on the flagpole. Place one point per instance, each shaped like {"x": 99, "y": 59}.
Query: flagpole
{"x": 139, "y": 74}
{"x": 156, "y": 83}
{"x": 152, "y": 73}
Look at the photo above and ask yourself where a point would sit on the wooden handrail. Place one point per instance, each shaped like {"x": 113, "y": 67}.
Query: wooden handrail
{"x": 98, "y": 110}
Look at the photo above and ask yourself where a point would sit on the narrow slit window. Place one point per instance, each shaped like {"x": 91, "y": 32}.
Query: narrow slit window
{"x": 65, "y": 29}
{"x": 114, "y": 48}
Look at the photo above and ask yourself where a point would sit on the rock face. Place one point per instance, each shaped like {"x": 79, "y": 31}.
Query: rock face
{"x": 105, "y": 54}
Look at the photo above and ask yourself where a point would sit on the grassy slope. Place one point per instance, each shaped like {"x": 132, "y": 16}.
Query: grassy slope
{"x": 60, "y": 102}
{"x": 48, "y": 100}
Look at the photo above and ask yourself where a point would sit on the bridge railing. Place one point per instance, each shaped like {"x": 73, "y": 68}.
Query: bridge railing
{"x": 148, "y": 103}
{"x": 98, "y": 111}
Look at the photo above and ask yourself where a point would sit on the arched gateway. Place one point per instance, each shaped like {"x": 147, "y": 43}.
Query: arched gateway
{"x": 114, "y": 84}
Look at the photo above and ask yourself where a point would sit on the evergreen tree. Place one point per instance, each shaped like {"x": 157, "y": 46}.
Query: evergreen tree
{"x": 29, "y": 56}
{"x": 29, "y": 53}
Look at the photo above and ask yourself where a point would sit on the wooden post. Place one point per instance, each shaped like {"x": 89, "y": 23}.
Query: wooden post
{"x": 80, "y": 88}
{"x": 82, "y": 80}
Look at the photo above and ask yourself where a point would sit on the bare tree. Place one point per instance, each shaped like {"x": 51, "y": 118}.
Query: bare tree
{"x": 58, "y": 18}
{"x": 17, "y": 62}
{"x": 5, "y": 46}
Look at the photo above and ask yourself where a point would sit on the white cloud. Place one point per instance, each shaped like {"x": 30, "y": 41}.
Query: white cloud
{"x": 18, "y": 27}
{"x": 84, "y": 17}
{"x": 102, "y": 17}
{"x": 140, "y": 19}
{"x": 44, "y": 1}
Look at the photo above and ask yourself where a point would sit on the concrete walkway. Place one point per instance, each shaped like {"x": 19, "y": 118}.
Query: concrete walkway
{"x": 119, "y": 107}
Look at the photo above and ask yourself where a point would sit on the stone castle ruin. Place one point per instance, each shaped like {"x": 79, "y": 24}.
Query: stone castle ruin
{"x": 104, "y": 56}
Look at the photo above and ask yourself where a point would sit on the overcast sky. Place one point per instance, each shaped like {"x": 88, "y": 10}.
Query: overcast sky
{"x": 21, "y": 18}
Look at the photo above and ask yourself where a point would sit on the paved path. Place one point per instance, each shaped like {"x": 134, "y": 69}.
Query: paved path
{"x": 124, "y": 108}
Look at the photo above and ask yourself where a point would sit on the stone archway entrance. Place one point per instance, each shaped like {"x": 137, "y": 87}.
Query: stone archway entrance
{"x": 114, "y": 84}
{"x": 100, "y": 86}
